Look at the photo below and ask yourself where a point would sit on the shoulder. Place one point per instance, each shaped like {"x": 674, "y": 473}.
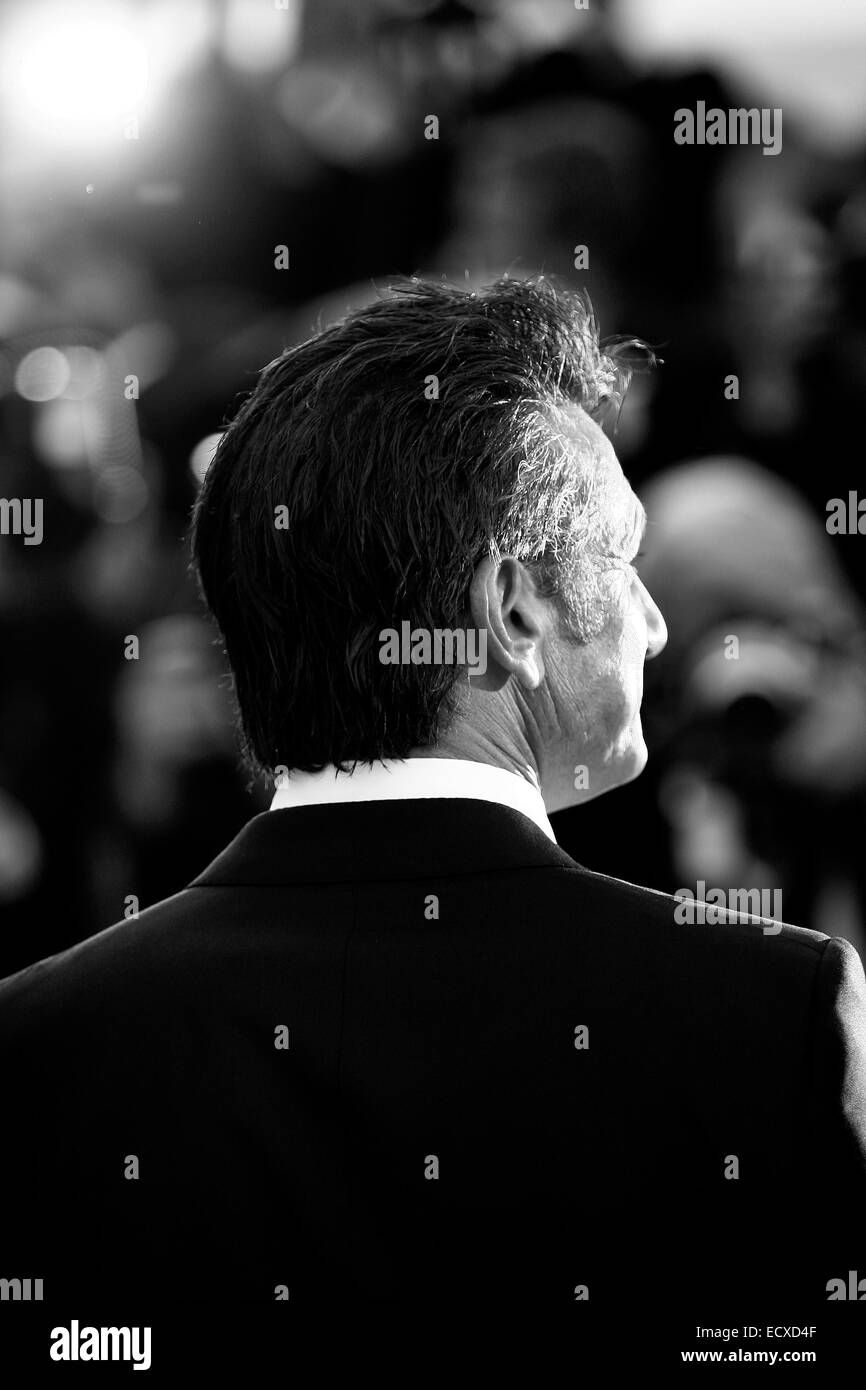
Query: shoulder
{"x": 737, "y": 921}
{"x": 95, "y": 974}
{"x": 708, "y": 962}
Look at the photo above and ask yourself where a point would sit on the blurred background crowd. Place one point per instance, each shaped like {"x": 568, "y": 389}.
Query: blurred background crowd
{"x": 154, "y": 154}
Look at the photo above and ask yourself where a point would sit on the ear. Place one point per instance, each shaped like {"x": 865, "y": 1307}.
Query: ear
{"x": 505, "y": 604}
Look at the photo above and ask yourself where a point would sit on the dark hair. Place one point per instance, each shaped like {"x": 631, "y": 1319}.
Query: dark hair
{"x": 404, "y": 443}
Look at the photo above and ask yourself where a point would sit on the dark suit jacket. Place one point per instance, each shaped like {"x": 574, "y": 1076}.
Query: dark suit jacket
{"x": 432, "y": 1133}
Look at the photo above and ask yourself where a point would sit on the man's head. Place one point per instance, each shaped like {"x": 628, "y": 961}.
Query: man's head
{"x": 434, "y": 463}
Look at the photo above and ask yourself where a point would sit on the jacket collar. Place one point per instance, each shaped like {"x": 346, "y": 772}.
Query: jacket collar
{"x": 414, "y": 778}
{"x": 382, "y": 840}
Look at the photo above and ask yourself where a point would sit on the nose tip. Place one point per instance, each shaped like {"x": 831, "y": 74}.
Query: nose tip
{"x": 657, "y": 630}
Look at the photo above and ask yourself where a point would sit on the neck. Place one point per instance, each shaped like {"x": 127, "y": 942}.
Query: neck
{"x": 503, "y": 747}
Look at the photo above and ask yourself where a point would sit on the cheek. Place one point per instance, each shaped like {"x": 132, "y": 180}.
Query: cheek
{"x": 622, "y": 677}
{"x": 610, "y": 702}
{"x": 603, "y": 690}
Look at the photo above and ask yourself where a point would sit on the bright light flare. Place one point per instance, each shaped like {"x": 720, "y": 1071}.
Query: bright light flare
{"x": 72, "y": 77}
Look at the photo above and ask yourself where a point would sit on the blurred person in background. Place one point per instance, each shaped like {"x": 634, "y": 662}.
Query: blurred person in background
{"x": 54, "y": 693}
{"x": 759, "y": 712}
{"x": 174, "y": 774}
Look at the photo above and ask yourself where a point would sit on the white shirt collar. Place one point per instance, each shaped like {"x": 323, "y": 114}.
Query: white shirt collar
{"x": 415, "y": 778}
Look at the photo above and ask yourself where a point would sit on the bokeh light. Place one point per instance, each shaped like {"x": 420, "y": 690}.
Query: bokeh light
{"x": 42, "y": 375}
{"x": 201, "y": 457}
